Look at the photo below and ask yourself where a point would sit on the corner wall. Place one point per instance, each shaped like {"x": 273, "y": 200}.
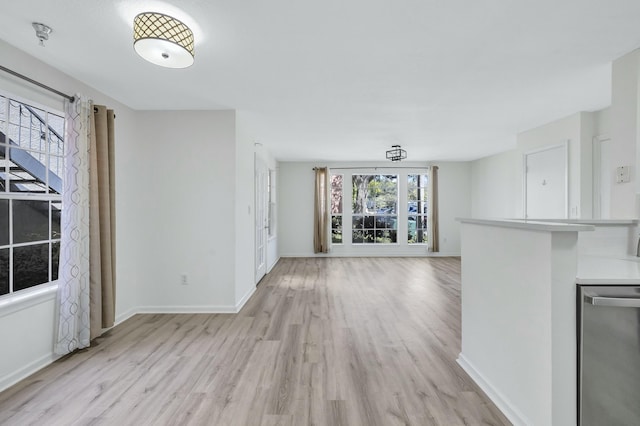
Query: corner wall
{"x": 497, "y": 180}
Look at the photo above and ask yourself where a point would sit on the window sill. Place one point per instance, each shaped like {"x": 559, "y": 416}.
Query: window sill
{"x": 24, "y": 299}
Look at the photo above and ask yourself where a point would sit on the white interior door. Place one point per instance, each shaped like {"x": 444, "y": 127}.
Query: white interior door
{"x": 546, "y": 185}
{"x": 261, "y": 220}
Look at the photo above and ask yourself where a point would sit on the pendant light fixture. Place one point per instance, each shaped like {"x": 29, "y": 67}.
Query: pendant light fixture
{"x": 396, "y": 153}
{"x": 163, "y": 40}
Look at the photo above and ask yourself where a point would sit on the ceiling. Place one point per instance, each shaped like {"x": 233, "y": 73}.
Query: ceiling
{"x": 346, "y": 79}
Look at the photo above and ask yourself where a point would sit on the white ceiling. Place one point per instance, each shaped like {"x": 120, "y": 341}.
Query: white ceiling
{"x": 346, "y": 79}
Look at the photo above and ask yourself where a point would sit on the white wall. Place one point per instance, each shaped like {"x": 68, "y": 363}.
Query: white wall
{"x": 624, "y": 132}
{"x": 602, "y": 120}
{"x": 454, "y": 192}
{"x": 186, "y": 196}
{"x": 295, "y": 209}
{"x": 496, "y": 191}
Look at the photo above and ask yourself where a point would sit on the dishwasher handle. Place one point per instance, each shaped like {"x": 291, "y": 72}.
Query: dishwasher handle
{"x": 618, "y": 302}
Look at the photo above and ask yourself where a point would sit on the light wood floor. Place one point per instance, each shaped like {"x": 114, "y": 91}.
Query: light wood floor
{"x": 343, "y": 341}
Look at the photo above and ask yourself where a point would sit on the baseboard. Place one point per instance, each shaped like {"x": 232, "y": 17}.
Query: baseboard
{"x": 11, "y": 379}
{"x": 125, "y": 316}
{"x": 245, "y": 298}
{"x": 369, "y": 254}
{"x": 270, "y": 267}
{"x": 196, "y": 309}
{"x": 512, "y": 413}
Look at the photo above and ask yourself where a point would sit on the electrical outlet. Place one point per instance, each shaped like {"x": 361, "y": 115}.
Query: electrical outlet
{"x": 183, "y": 279}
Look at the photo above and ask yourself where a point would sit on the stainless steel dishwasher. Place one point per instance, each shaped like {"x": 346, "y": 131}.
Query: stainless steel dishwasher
{"x": 609, "y": 355}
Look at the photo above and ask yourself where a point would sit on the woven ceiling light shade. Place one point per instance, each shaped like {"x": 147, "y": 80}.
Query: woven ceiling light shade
{"x": 163, "y": 40}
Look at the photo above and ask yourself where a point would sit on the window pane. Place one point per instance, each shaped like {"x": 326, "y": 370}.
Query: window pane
{"x": 56, "y": 213}
{"x": 369, "y": 236}
{"x": 30, "y": 221}
{"x": 386, "y": 236}
{"x": 4, "y": 222}
{"x": 369, "y": 222}
{"x": 27, "y": 171}
{"x": 3, "y": 165}
{"x": 375, "y": 197}
{"x": 4, "y": 271}
{"x": 336, "y": 194}
{"x": 30, "y": 266}
{"x": 336, "y": 236}
{"x": 56, "y": 167}
{"x": 27, "y": 126}
{"x": 357, "y": 222}
{"x": 417, "y": 208}
{"x": 56, "y": 134}
{"x": 55, "y": 260}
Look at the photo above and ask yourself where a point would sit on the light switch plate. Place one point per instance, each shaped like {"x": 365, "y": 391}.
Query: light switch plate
{"x": 622, "y": 174}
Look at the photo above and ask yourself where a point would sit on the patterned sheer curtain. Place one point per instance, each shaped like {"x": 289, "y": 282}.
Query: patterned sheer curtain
{"x": 73, "y": 285}
{"x": 434, "y": 238}
{"x": 321, "y": 216}
{"x": 86, "y": 287}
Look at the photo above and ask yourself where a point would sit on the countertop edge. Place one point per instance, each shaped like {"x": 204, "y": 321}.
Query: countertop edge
{"x": 595, "y": 222}
{"x": 530, "y": 225}
{"x": 608, "y": 281}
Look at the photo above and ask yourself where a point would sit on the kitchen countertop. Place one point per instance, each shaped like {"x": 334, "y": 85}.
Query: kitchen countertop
{"x": 602, "y": 270}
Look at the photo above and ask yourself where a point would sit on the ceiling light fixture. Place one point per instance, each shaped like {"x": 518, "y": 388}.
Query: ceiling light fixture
{"x": 396, "y": 153}
{"x": 42, "y": 32}
{"x": 163, "y": 40}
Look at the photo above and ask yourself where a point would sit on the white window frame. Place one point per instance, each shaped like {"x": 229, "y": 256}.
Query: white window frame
{"x": 20, "y": 299}
{"x": 374, "y": 215}
{"x": 401, "y": 247}
{"x": 418, "y": 214}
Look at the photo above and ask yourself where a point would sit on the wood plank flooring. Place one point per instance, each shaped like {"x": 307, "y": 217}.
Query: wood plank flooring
{"x": 323, "y": 341}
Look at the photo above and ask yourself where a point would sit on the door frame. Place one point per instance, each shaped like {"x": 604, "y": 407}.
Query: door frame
{"x": 565, "y": 151}
{"x": 596, "y": 172}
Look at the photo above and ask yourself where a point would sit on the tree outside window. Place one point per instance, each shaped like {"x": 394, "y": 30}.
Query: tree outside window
{"x": 375, "y": 209}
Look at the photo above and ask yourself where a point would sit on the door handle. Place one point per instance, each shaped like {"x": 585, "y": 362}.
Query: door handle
{"x": 618, "y": 302}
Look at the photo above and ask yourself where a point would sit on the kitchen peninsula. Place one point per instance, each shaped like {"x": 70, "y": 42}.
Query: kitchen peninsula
{"x": 519, "y": 308}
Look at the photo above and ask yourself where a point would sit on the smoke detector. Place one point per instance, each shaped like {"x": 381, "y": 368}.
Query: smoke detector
{"x": 42, "y": 32}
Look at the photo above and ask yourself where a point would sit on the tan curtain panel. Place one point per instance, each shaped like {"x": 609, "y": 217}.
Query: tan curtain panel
{"x": 321, "y": 211}
{"x": 102, "y": 282}
{"x": 434, "y": 240}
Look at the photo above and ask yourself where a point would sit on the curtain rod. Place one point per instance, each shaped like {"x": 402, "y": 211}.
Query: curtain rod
{"x": 376, "y": 168}
{"x": 37, "y": 83}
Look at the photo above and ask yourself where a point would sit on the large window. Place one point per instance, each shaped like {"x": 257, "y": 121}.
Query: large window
{"x": 417, "y": 208}
{"x": 374, "y": 209}
{"x": 31, "y": 170}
